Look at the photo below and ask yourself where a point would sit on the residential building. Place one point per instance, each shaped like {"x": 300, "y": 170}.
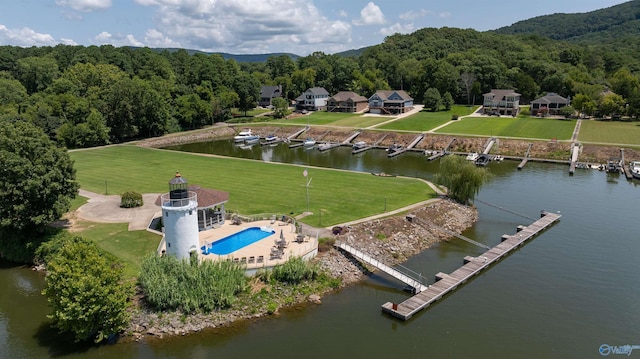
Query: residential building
{"x": 268, "y": 93}
{"x": 390, "y": 102}
{"x": 314, "y": 99}
{"x": 347, "y": 101}
{"x": 549, "y": 104}
{"x": 501, "y": 102}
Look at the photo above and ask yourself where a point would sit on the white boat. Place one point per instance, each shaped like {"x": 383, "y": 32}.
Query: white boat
{"x": 472, "y": 156}
{"x": 242, "y": 135}
{"x": 635, "y": 169}
{"x": 309, "y": 142}
{"x": 270, "y": 138}
{"x": 358, "y": 145}
{"x": 251, "y": 140}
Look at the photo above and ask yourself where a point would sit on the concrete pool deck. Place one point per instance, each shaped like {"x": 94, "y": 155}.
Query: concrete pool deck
{"x": 263, "y": 247}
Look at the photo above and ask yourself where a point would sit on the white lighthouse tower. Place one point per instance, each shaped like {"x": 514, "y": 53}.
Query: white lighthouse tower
{"x": 180, "y": 218}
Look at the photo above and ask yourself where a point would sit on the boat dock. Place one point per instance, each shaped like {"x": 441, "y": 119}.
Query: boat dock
{"x": 327, "y": 146}
{"x": 443, "y": 152}
{"x": 404, "y": 149}
{"x": 526, "y": 157}
{"x": 446, "y": 283}
{"x": 626, "y": 168}
{"x": 489, "y": 145}
{"x": 296, "y": 134}
{"x": 360, "y": 150}
{"x": 575, "y": 151}
{"x": 365, "y": 258}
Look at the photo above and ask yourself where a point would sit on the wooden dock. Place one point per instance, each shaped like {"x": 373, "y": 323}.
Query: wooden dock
{"x": 626, "y": 167}
{"x": 489, "y": 145}
{"x": 298, "y": 133}
{"x": 526, "y": 157}
{"x": 365, "y": 258}
{"x": 442, "y": 153}
{"x": 575, "y": 151}
{"x": 360, "y": 150}
{"x": 446, "y": 283}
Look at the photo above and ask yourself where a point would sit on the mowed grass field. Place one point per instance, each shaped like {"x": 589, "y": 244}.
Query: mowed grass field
{"x": 539, "y": 128}
{"x": 425, "y": 120}
{"x": 254, "y": 186}
{"x": 337, "y": 119}
{"x": 613, "y": 132}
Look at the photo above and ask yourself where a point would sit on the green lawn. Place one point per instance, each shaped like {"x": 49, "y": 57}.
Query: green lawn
{"x": 542, "y": 128}
{"x": 425, "y": 120}
{"x": 321, "y": 118}
{"x": 128, "y": 246}
{"x": 610, "y": 132}
{"x": 254, "y": 187}
{"x": 253, "y": 112}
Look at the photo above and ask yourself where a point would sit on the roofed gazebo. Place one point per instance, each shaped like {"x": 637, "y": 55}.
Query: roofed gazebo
{"x": 211, "y": 212}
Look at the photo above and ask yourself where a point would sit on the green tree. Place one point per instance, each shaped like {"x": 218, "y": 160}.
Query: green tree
{"x": 611, "y": 104}
{"x": 461, "y": 177}
{"x": 248, "y": 90}
{"x": 37, "y": 178}
{"x": 432, "y": 99}
{"x": 280, "y": 107}
{"x": 447, "y": 101}
{"x": 86, "y": 292}
{"x": 36, "y": 73}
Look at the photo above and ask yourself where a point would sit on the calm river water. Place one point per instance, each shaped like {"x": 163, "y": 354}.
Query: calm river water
{"x": 562, "y": 295}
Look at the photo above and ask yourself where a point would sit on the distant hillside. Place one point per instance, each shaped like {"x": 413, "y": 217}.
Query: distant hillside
{"x": 237, "y": 57}
{"x": 616, "y": 22}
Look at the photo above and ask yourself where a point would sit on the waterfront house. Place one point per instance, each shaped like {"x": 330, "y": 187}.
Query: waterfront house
{"x": 314, "y": 99}
{"x": 501, "y": 102}
{"x": 390, "y": 102}
{"x": 551, "y": 104}
{"x": 268, "y": 93}
{"x": 347, "y": 101}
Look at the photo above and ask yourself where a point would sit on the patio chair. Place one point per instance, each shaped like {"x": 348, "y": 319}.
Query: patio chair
{"x": 243, "y": 260}
{"x": 260, "y": 259}
{"x": 252, "y": 259}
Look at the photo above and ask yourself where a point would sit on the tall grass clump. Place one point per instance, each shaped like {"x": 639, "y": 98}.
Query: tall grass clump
{"x": 170, "y": 284}
{"x": 295, "y": 270}
{"x": 131, "y": 199}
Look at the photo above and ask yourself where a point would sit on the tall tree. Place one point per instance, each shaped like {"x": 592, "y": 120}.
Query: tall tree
{"x": 248, "y": 90}
{"x": 36, "y": 73}
{"x": 37, "y": 179}
{"x": 85, "y": 289}
{"x": 462, "y": 178}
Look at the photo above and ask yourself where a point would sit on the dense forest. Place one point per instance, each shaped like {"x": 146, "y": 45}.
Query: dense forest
{"x": 87, "y": 96}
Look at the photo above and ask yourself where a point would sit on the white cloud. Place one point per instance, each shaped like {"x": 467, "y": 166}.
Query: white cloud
{"x": 68, "y": 42}
{"x": 444, "y": 15}
{"x": 370, "y": 15}
{"x": 85, "y": 5}
{"x": 412, "y": 15}
{"x": 343, "y": 13}
{"x": 25, "y": 37}
{"x": 116, "y": 40}
{"x": 154, "y": 38}
{"x": 245, "y": 26}
{"x": 397, "y": 29}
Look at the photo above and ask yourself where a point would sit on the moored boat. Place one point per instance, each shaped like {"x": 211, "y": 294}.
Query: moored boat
{"x": 635, "y": 169}
{"x": 358, "y": 145}
{"x": 482, "y": 160}
{"x": 242, "y": 135}
{"x": 309, "y": 142}
{"x": 472, "y": 156}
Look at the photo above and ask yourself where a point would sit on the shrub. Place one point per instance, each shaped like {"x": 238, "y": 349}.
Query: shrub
{"x": 295, "y": 270}
{"x": 131, "y": 199}
{"x": 170, "y": 284}
{"x": 85, "y": 290}
{"x": 325, "y": 244}
{"x": 454, "y": 117}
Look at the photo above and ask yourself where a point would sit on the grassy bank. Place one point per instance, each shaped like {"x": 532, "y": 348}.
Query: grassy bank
{"x": 538, "y": 128}
{"x": 254, "y": 187}
{"x": 613, "y": 132}
{"x": 425, "y": 120}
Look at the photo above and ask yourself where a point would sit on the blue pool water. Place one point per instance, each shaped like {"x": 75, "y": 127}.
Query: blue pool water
{"x": 237, "y": 240}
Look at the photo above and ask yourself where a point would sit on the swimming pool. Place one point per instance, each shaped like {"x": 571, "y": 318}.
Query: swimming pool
{"x": 232, "y": 243}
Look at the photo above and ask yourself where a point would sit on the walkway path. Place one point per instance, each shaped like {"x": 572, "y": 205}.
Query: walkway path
{"x": 416, "y": 109}
{"x": 473, "y": 114}
{"x": 106, "y": 209}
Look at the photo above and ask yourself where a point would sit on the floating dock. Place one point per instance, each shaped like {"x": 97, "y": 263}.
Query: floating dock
{"x": 360, "y": 150}
{"x": 575, "y": 151}
{"x": 442, "y": 153}
{"x": 446, "y": 283}
{"x": 489, "y": 145}
{"x": 526, "y": 157}
{"x": 626, "y": 167}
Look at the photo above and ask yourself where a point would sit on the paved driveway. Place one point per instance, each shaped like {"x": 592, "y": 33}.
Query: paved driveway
{"x": 106, "y": 209}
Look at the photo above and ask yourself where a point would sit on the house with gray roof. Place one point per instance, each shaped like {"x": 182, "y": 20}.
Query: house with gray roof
{"x": 347, "y": 101}
{"x": 549, "y": 104}
{"x": 314, "y": 99}
{"x": 268, "y": 93}
{"x": 390, "y": 102}
{"x": 501, "y": 102}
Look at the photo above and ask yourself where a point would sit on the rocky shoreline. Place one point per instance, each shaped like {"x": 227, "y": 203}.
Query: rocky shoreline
{"x": 554, "y": 150}
{"x": 392, "y": 240}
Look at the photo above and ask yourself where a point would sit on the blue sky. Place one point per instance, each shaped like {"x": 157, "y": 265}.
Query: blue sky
{"x": 256, "y": 26}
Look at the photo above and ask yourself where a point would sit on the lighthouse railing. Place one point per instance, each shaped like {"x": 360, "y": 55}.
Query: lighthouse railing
{"x": 167, "y": 201}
